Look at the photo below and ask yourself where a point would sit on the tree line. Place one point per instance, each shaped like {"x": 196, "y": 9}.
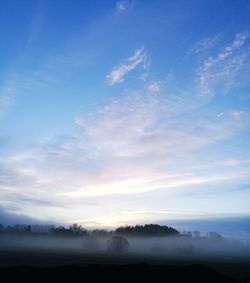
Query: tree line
{"x": 75, "y": 230}
{"x": 147, "y": 230}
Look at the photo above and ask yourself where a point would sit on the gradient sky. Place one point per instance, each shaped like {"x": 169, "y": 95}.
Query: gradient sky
{"x": 117, "y": 112}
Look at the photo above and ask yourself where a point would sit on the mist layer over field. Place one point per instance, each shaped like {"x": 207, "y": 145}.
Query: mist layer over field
{"x": 169, "y": 247}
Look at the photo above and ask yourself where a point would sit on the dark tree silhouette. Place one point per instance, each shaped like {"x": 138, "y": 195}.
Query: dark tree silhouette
{"x": 117, "y": 244}
{"x": 77, "y": 230}
{"x": 100, "y": 233}
{"x": 61, "y": 231}
{"x": 147, "y": 230}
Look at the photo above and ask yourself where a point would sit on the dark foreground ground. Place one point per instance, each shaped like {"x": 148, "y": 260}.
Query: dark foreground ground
{"x": 114, "y": 273}
{"x": 19, "y": 265}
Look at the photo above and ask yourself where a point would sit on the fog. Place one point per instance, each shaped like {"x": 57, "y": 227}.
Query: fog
{"x": 178, "y": 247}
{"x": 169, "y": 247}
{"x": 84, "y": 244}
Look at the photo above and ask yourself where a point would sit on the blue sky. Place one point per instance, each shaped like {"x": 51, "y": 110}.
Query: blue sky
{"x": 117, "y": 112}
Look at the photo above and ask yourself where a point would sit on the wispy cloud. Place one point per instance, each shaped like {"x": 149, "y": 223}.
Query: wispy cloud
{"x": 119, "y": 72}
{"x": 131, "y": 145}
{"x": 222, "y": 68}
{"x": 154, "y": 86}
{"x": 36, "y": 25}
{"x": 204, "y": 44}
{"x": 120, "y": 147}
{"x": 150, "y": 212}
{"x": 121, "y": 6}
{"x": 10, "y": 218}
{"x": 145, "y": 184}
{"x": 237, "y": 116}
{"x": 125, "y": 147}
{"x": 8, "y": 89}
{"x": 5, "y": 103}
{"x": 22, "y": 82}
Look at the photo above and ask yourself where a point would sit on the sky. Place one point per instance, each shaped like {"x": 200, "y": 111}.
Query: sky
{"x": 124, "y": 112}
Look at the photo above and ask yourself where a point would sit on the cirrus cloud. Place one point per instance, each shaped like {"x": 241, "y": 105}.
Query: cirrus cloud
{"x": 119, "y": 72}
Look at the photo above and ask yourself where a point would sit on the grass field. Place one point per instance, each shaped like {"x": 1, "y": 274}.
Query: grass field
{"x": 17, "y": 263}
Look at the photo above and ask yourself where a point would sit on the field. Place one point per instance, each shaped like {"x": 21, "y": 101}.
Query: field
{"x": 48, "y": 264}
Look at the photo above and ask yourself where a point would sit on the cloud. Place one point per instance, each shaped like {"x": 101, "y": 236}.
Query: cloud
{"x": 129, "y": 136}
{"x": 128, "y": 146}
{"x": 237, "y": 116}
{"x": 220, "y": 71}
{"x": 10, "y": 218}
{"x": 37, "y": 23}
{"x": 20, "y": 80}
{"x": 20, "y": 83}
{"x": 159, "y": 212}
{"x": 118, "y": 73}
{"x": 135, "y": 143}
{"x": 204, "y": 44}
{"x": 120, "y": 148}
{"x": 147, "y": 123}
{"x": 121, "y": 6}
{"x": 5, "y": 103}
{"x": 145, "y": 184}
{"x": 6, "y": 95}
{"x": 154, "y": 86}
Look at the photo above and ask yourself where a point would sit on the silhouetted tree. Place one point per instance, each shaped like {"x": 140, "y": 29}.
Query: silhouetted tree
{"x": 61, "y": 231}
{"x": 214, "y": 236}
{"x": 100, "y": 233}
{"x": 29, "y": 229}
{"x": 118, "y": 244}
{"x": 77, "y": 230}
{"x": 187, "y": 234}
{"x": 196, "y": 234}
